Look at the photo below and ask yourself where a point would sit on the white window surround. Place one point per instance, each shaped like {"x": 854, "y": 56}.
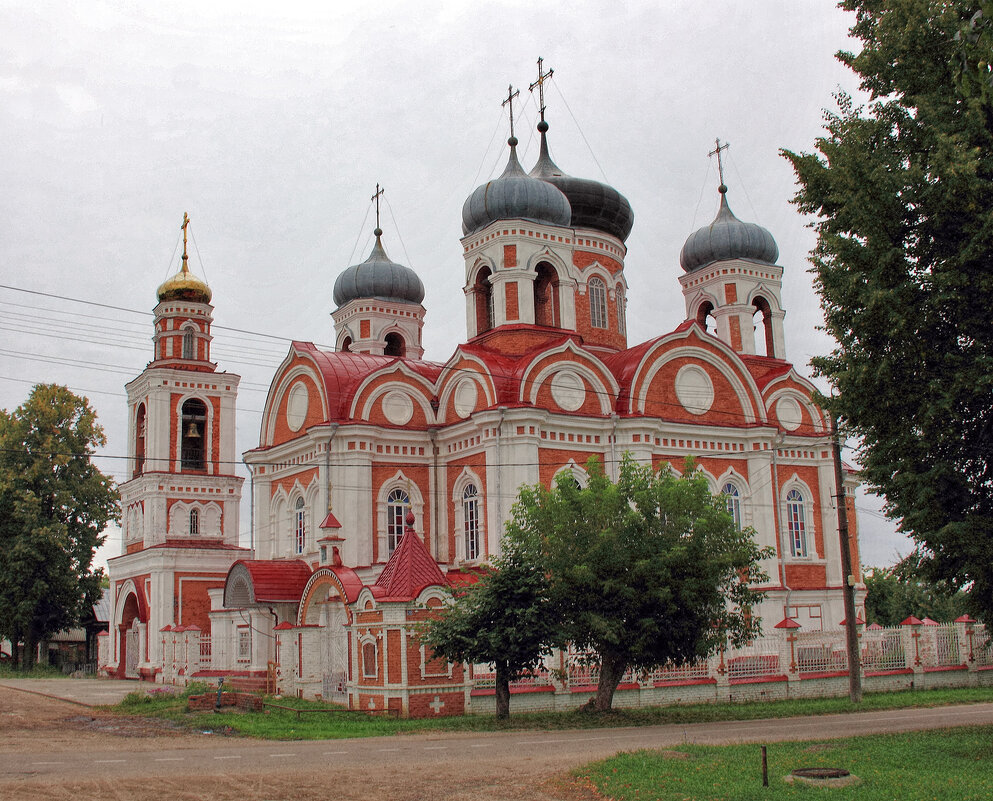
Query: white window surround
{"x": 798, "y": 508}
{"x": 401, "y": 482}
{"x": 465, "y": 480}
{"x": 598, "y": 303}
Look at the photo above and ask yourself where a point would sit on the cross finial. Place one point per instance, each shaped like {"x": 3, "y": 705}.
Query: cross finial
{"x": 720, "y": 165}
{"x": 540, "y": 83}
{"x": 511, "y": 94}
{"x": 376, "y": 197}
{"x": 184, "y": 226}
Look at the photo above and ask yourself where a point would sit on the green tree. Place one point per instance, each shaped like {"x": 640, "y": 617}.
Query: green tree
{"x": 894, "y": 593}
{"x": 54, "y": 504}
{"x": 502, "y": 619}
{"x": 643, "y": 572}
{"x": 903, "y": 191}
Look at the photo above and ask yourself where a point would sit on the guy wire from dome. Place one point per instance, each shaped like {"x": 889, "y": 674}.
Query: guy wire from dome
{"x": 184, "y": 285}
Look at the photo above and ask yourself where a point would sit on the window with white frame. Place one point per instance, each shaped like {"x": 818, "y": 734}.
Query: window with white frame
{"x": 621, "y": 309}
{"x": 598, "y": 303}
{"x": 300, "y": 525}
{"x": 733, "y": 499}
{"x": 194, "y": 522}
{"x": 397, "y": 504}
{"x": 796, "y": 521}
{"x": 470, "y": 513}
{"x": 189, "y": 344}
{"x": 244, "y": 643}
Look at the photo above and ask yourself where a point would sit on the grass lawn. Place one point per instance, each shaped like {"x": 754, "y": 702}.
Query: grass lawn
{"x": 323, "y": 721}
{"x": 942, "y": 765}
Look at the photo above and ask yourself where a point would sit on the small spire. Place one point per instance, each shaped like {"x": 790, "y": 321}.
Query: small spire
{"x": 379, "y": 193}
{"x": 511, "y": 94}
{"x": 540, "y": 83}
{"x": 186, "y": 258}
{"x": 720, "y": 165}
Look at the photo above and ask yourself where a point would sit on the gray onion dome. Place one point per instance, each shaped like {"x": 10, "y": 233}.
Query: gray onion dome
{"x": 594, "y": 205}
{"x": 378, "y": 277}
{"x": 727, "y": 238}
{"x": 514, "y": 196}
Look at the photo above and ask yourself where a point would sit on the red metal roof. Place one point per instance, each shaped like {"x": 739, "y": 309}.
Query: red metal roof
{"x": 275, "y": 580}
{"x": 206, "y": 545}
{"x": 410, "y": 569}
{"x": 330, "y": 521}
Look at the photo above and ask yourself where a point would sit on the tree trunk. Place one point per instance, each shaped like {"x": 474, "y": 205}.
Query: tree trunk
{"x": 30, "y": 652}
{"x": 611, "y": 670}
{"x": 502, "y": 691}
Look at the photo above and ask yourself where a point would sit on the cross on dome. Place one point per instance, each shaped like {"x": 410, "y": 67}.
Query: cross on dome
{"x": 379, "y": 193}
{"x": 720, "y": 164}
{"x": 540, "y": 83}
{"x": 511, "y": 94}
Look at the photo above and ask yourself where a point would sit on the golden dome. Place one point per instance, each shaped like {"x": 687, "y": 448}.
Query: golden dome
{"x": 184, "y": 286}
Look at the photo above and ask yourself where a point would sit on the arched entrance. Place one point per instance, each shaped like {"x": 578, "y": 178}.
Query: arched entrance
{"x": 129, "y": 646}
{"x": 334, "y": 652}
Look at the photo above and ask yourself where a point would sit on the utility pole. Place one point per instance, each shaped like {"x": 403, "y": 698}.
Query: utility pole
{"x": 848, "y": 577}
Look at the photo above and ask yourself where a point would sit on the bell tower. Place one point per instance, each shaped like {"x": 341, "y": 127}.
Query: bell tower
{"x": 181, "y": 413}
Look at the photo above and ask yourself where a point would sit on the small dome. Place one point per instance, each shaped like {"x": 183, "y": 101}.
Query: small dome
{"x": 184, "y": 286}
{"x": 514, "y": 196}
{"x": 727, "y": 238}
{"x": 594, "y": 205}
{"x": 378, "y": 277}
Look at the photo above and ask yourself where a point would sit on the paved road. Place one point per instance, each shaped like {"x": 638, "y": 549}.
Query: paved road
{"x": 209, "y": 755}
{"x": 91, "y": 692}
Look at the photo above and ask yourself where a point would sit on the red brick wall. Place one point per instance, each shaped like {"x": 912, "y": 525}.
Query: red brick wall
{"x": 192, "y": 595}
{"x": 513, "y": 311}
{"x": 551, "y": 460}
{"x": 394, "y": 647}
{"x": 315, "y": 409}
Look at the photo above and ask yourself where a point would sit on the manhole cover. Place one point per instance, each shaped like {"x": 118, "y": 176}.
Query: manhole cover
{"x": 820, "y": 773}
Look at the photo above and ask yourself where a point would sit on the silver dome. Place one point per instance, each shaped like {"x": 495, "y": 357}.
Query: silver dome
{"x": 727, "y": 238}
{"x": 378, "y": 277}
{"x": 515, "y": 196}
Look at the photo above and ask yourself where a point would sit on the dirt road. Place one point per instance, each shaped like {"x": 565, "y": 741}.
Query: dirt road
{"x": 53, "y": 750}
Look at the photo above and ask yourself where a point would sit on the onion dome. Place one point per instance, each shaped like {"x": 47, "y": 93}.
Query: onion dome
{"x": 378, "y": 277}
{"x": 514, "y": 196}
{"x": 727, "y": 238}
{"x": 594, "y": 205}
{"x": 184, "y": 286}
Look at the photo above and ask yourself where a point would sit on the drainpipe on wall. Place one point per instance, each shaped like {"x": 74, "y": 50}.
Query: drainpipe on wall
{"x": 435, "y": 534}
{"x": 251, "y": 508}
{"x": 613, "y": 446}
{"x": 776, "y": 442}
{"x": 499, "y": 459}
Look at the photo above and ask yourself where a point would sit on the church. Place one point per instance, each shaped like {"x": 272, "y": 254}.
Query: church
{"x": 380, "y": 480}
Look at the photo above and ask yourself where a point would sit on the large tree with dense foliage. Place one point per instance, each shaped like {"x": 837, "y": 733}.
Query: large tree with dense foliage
{"x": 902, "y": 189}
{"x": 502, "y": 619}
{"x": 54, "y": 504}
{"x": 644, "y": 572}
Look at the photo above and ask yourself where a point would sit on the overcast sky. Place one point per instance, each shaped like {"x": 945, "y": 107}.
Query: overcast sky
{"x": 271, "y": 124}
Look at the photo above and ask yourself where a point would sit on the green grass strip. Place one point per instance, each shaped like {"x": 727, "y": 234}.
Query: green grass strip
{"x": 941, "y": 765}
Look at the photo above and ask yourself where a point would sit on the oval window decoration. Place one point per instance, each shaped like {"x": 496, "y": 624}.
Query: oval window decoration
{"x": 694, "y": 389}
{"x": 297, "y": 405}
{"x": 398, "y": 407}
{"x": 466, "y": 396}
{"x": 568, "y": 390}
{"x": 789, "y": 413}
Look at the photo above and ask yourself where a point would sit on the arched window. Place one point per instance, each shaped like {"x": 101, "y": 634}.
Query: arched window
{"x": 470, "y": 514}
{"x": 369, "y": 666}
{"x": 300, "y": 525}
{"x": 796, "y": 521}
{"x": 346, "y": 345}
{"x": 395, "y": 346}
{"x": 193, "y": 431}
{"x": 546, "y": 291}
{"x": 705, "y": 318}
{"x": 483, "y": 289}
{"x": 397, "y": 505}
{"x": 621, "y": 309}
{"x": 762, "y": 318}
{"x": 733, "y": 499}
{"x": 194, "y": 522}
{"x": 139, "y": 442}
{"x": 598, "y": 303}
{"x": 189, "y": 344}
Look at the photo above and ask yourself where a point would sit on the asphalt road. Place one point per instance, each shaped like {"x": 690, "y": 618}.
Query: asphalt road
{"x": 210, "y": 754}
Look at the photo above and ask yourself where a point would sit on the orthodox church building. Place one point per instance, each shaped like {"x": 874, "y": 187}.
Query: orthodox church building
{"x": 381, "y": 479}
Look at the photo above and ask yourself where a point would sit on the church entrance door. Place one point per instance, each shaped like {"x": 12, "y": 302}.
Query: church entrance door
{"x": 334, "y": 654}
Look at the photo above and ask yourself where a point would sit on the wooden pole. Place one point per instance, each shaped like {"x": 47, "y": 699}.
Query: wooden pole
{"x": 847, "y": 576}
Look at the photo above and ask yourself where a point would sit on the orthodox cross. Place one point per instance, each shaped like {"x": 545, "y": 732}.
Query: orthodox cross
{"x": 511, "y": 94}
{"x": 376, "y": 197}
{"x": 717, "y": 152}
{"x": 184, "y": 226}
{"x": 540, "y": 83}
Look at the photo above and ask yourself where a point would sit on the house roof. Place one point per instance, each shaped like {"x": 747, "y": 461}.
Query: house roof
{"x": 410, "y": 569}
{"x": 271, "y": 580}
